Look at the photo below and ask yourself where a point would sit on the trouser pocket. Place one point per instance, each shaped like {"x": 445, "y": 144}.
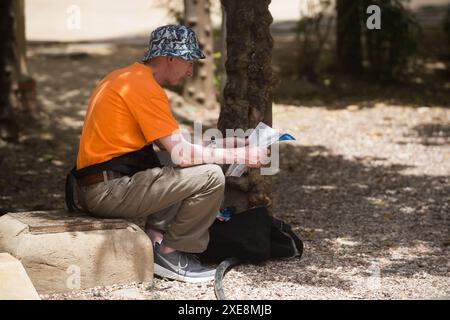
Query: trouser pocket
{"x": 119, "y": 187}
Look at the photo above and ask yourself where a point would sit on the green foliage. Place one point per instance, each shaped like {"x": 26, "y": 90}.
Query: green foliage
{"x": 389, "y": 50}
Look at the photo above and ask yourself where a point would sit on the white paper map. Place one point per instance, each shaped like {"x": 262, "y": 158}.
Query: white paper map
{"x": 262, "y": 136}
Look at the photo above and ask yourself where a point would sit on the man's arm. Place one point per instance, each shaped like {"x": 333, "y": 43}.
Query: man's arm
{"x": 184, "y": 153}
{"x": 230, "y": 142}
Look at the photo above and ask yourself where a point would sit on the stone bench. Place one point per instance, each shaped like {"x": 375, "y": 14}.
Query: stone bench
{"x": 62, "y": 251}
{"x": 14, "y": 281}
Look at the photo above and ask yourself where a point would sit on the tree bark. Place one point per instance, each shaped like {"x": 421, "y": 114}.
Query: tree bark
{"x": 248, "y": 91}
{"x": 21, "y": 49}
{"x": 349, "y": 45}
{"x": 223, "y": 55}
{"x": 8, "y": 126}
{"x": 199, "y": 89}
{"x": 26, "y": 85}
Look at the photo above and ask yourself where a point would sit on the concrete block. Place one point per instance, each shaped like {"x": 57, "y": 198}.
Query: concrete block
{"x": 63, "y": 252}
{"x": 14, "y": 281}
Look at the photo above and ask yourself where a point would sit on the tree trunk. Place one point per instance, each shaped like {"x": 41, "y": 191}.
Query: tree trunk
{"x": 248, "y": 91}
{"x": 26, "y": 85}
{"x": 199, "y": 89}
{"x": 8, "y": 125}
{"x": 223, "y": 55}
{"x": 21, "y": 56}
{"x": 349, "y": 45}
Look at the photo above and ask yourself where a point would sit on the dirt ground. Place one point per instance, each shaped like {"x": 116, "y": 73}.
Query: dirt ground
{"x": 366, "y": 185}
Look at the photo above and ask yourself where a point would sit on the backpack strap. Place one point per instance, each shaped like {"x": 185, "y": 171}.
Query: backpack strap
{"x": 286, "y": 229}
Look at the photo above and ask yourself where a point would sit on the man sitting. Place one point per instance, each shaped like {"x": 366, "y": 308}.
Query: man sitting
{"x": 119, "y": 174}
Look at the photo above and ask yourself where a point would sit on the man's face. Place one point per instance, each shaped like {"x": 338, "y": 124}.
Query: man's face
{"x": 178, "y": 69}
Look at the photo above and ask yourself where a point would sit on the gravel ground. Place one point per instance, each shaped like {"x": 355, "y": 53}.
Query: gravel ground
{"x": 366, "y": 187}
{"x": 369, "y": 195}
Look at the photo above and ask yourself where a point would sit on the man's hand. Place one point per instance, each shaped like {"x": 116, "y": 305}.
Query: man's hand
{"x": 236, "y": 142}
{"x": 257, "y": 157}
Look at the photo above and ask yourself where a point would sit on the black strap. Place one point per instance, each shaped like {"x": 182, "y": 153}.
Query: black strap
{"x": 127, "y": 164}
{"x": 71, "y": 183}
{"x": 287, "y": 230}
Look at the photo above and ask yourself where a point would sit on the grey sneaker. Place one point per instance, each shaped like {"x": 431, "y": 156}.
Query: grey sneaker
{"x": 180, "y": 266}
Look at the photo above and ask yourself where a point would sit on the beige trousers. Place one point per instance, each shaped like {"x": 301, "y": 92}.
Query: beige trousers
{"x": 183, "y": 202}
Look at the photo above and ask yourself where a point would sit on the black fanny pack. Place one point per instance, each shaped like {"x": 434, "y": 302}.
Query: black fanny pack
{"x": 127, "y": 164}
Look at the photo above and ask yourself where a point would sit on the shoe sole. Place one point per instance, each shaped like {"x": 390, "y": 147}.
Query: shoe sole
{"x": 163, "y": 272}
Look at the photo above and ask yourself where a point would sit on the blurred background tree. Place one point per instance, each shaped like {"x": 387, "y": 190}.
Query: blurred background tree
{"x": 389, "y": 51}
{"x": 17, "y": 88}
{"x": 199, "y": 89}
{"x": 348, "y": 36}
{"x": 25, "y": 84}
{"x": 383, "y": 53}
{"x": 312, "y": 35}
{"x": 446, "y": 27}
{"x": 8, "y": 125}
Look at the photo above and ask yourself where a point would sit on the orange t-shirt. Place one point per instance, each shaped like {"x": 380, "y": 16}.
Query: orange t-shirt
{"x": 127, "y": 111}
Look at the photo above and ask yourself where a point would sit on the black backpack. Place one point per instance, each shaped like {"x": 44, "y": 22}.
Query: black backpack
{"x": 251, "y": 236}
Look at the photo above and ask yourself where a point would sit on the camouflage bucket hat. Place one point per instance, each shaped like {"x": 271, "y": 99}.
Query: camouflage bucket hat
{"x": 174, "y": 41}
